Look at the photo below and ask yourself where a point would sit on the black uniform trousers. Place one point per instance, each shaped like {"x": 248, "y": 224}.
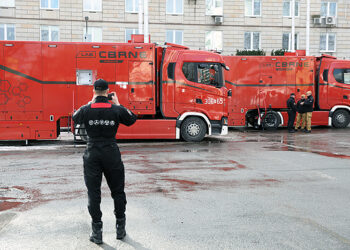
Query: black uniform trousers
{"x": 104, "y": 157}
{"x": 291, "y": 119}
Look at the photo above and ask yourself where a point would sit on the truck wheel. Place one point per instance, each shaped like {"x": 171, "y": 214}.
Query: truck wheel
{"x": 340, "y": 118}
{"x": 81, "y": 132}
{"x": 272, "y": 120}
{"x": 193, "y": 129}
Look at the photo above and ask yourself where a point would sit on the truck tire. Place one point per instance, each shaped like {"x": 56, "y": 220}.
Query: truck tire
{"x": 271, "y": 120}
{"x": 81, "y": 132}
{"x": 340, "y": 118}
{"x": 193, "y": 129}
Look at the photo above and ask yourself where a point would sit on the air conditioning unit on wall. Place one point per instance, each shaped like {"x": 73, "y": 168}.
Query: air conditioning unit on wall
{"x": 218, "y": 20}
{"x": 331, "y": 20}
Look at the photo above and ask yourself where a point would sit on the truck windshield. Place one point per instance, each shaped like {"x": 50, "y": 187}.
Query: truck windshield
{"x": 205, "y": 73}
{"x": 342, "y": 75}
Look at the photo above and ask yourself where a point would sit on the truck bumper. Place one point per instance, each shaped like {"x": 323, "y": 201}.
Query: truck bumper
{"x": 219, "y": 127}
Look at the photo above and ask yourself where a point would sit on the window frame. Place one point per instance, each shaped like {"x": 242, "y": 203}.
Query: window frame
{"x": 343, "y": 72}
{"x": 327, "y": 42}
{"x": 9, "y": 5}
{"x": 290, "y": 9}
{"x": 93, "y": 10}
{"x": 328, "y": 8}
{"x": 174, "y": 36}
{"x": 213, "y": 14}
{"x": 252, "y": 40}
{"x": 92, "y": 35}
{"x": 50, "y": 4}
{"x": 290, "y": 40}
{"x": 133, "y": 30}
{"x": 50, "y": 30}
{"x": 134, "y": 9}
{"x": 252, "y": 10}
{"x": 174, "y": 8}
{"x": 222, "y": 40}
{"x": 5, "y": 31}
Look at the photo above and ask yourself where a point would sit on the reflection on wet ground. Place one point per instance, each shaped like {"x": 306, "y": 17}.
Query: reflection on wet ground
{"x": 53, "y": 170}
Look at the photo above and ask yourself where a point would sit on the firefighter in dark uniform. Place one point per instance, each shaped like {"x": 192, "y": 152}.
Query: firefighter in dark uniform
{"x": 291, "y": 106}
{"x": 101, "y": 120}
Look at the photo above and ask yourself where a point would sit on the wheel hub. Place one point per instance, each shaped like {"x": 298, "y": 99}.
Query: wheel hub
{"x": 340, "y": 118}
{"x": 193, "y": 129}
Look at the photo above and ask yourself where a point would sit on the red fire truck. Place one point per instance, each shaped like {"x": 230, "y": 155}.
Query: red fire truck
{"x": 176, "y": 92}
{"x": 261, "y": 86}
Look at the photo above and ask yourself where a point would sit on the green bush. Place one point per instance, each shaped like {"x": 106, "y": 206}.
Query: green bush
{"x": 278, "y": 52}
{"x": 258, "y": 52}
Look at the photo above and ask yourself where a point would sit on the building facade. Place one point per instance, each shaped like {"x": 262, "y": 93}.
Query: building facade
{"x": 222, "y": 25}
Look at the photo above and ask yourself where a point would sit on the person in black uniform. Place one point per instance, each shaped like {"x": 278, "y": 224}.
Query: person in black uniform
{"x": 291, "y": 106}
{"x": 102, "y": 155}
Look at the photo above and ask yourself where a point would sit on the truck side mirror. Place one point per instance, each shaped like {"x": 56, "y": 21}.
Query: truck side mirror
{"x": 229, "y": 93}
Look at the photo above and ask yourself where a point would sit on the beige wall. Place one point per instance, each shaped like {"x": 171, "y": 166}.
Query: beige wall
{"x": 27, "y": 16}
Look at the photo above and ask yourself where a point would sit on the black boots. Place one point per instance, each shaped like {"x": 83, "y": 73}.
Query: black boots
{"x": 96, "y": 234}
{"x": 121, "y": 228}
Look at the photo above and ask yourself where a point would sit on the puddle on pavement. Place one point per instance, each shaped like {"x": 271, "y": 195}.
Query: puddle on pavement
{"x": 291, "y": 148}
{"x": 12, "y": 197}
{"x": 151, "y": 167}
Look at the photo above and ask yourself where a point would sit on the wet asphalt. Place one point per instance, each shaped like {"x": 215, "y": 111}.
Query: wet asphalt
{"x": 248, "y": 190}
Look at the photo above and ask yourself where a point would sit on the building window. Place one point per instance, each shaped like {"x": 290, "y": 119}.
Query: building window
{"x": 174, "y": 36}
{"x": 174, "y": 6}
{"x": 287, "y": 41}
{"x": 252, "y": 7}
{"x": 49, "y": 4}
{"x": 327, "y": 42}
{"x": 213, "y": 40}
{"x": 94, "y": 34}
{"x": 214, "y": 7}
{"x": 92, "y": 5}
{"x": 328, "y": 9}
{"x": 287, "y": 8}
{"x": 7, "y": 3}
{"x": 7, "y": 32}
{"x": 132, "y": 6}
{"x": 252, "y": 40}
{"x": 129, "y": 32}
{"x": 49, "y": 33}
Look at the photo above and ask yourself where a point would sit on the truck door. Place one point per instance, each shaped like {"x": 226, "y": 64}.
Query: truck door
{"x": 141, "y": 86}
{"x": 93, "y": 62}
{"x": 339, "y": 83}
{"x": 267, "y": 93}
{"x": 22, "y": 89}
{"x": 305, "y": 76}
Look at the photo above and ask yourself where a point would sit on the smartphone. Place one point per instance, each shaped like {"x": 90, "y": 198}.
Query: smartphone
{"x": 110, "y": 96}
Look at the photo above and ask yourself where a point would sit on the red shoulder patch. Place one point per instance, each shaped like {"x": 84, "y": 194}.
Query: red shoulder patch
{"x": 99, "y": 105}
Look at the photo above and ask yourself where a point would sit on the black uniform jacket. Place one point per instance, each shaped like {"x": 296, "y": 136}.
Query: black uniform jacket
{"x": 291, "y": 104}
{"x": 309, "y": 103}
{"x": 102, "y": 119}
{"x": 301, "y": 108}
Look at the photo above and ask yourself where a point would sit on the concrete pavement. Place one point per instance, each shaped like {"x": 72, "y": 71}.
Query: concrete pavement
{"x": 249, "y": 190}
